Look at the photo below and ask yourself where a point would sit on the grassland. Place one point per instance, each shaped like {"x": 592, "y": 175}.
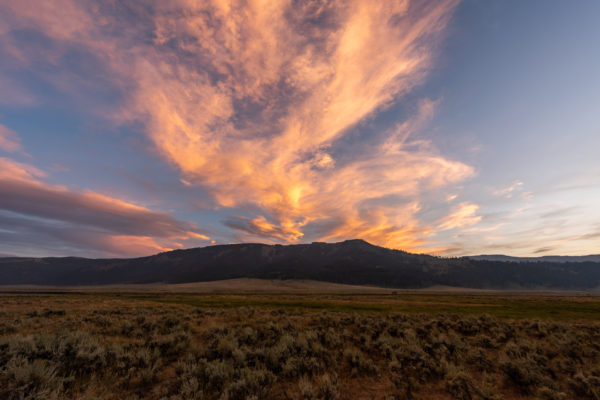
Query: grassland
{"x": 156, "y": 344}
{"x": 516, "y": 306}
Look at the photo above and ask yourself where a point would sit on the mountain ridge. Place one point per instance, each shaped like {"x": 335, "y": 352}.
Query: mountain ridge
{"x": 355, "y": 262}
{"x": 549, "y": 258}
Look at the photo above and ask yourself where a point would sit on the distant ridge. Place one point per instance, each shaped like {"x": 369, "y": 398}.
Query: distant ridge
{"x": 354, "y": 262}
{"x": 501, "y": 257}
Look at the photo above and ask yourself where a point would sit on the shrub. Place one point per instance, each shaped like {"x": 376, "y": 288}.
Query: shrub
{"x": 458, "y": 384}
{"x": 328, "y": 387}
{"x": 306, "y": 390}
{"x": 25, "y": 379}
{"x": 358, "y": 363}
{"x": 252, "y": 383}
{"x": 586, "y": 385}
{"x": 547, "y": 393}
{"x": 522, "y": 372}
{"x": 168, "y": 353}
{"x": 170, "y": 346}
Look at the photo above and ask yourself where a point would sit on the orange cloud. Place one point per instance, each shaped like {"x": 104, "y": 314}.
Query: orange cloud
{"x": 252, "y": 100}
{"x": 464, "y": 215}
{"x": 128, "y": 244}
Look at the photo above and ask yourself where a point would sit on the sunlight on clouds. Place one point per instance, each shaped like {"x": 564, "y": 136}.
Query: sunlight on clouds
{"x": 463, "y": 215}
{"x": 259, "y": 134}
{"x": 128, "y": 244}
{"x": 10, "y": 169}
{"x": 105, "y": 224}
{"x": 251, "y": 100}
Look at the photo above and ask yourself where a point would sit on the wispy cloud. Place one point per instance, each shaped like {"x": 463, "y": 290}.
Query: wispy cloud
{"x": 9, "y": 140}
{"x": 464, "y": 214}
{"x": 257, "y": 101}
{"x": 451, "y": 197}
{"x": 544, "y": 249}
{"x": 509, "y": 191}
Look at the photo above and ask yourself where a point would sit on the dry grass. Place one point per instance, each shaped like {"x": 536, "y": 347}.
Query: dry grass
{"x": 239, "y": 285}
{"x": 109, "y": 347}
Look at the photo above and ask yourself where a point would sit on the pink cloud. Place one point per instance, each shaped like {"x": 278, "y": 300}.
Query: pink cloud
{"x": 9, "y": 140}
{"x": 112, "y": 225}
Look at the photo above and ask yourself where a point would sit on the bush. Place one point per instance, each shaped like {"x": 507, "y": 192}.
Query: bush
{"x": 523, "y": 373}
{"x": 251, "y": 383}
{"x": 306, "y": 390}
{"x": 328, "y": 387}
{"x": 358, "y": 363}
{"x": 458, "y": 384}
{"x": 586, "y": 386}
{"x": 170, "y": 353}
{"x": 25, "y": 379}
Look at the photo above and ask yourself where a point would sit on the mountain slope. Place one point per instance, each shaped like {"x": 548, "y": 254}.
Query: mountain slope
{"x": 351, "y": 262}
{"x": 561, "y": 259}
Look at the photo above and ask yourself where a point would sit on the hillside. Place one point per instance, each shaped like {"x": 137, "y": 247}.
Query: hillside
{"x": 561, "y": 259}
{"x": 354, "y": 262}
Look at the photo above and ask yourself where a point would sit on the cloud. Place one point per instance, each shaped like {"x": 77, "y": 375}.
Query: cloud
{"x": 464, "y": 215}
{"x": 257, "y": 103}
{"x": 509, "y": 191}
{"x": 96, "y": 221}
{"x": 529, "y": 230}
{"x": 259, "y": 227}
{"x": 544, "y": 249}
{"x": 587, "y": 236}
{"x": 558, "y": 213}
{"x": 9, "y": 140}
{"x": 40, "y": 237}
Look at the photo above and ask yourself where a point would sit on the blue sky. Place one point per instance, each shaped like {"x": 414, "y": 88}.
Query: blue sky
{"x": 448, "y": 127}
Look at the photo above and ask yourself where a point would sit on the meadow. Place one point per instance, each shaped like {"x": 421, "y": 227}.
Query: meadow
{"x": 166, "y": 345}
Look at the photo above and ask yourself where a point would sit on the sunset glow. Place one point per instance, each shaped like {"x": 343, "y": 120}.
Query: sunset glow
{"x": 130, "y": 129}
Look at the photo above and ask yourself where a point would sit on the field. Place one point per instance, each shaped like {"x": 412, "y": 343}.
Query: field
{"x": 226, "y": 341}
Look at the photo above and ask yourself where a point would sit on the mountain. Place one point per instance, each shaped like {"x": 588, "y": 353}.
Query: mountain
{"x": 351, "y": 262}
{"x": 561, "y": 259}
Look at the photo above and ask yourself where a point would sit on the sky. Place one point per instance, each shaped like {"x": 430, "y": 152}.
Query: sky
{"x": 444, "y": 127}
